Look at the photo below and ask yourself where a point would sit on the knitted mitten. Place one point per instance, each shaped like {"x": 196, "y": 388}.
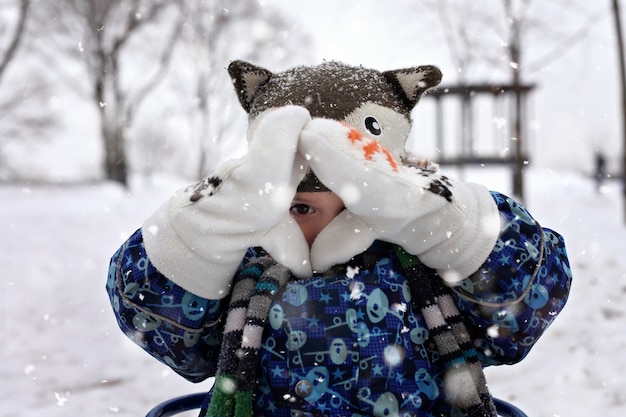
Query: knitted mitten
{"x": 198, "y": 238}
{"x": 451, "y": 226}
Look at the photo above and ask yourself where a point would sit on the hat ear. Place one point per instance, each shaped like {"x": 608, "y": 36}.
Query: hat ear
{"x": 247, "y": 79}
{"x": 411, "y": 83}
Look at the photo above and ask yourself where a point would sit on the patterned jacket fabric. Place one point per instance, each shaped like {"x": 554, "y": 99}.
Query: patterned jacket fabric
{"x": 350, "y": 341}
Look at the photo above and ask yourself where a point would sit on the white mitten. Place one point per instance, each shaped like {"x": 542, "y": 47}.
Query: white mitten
{"x": 451, "y": 226}
{"x": 199, "y": 236}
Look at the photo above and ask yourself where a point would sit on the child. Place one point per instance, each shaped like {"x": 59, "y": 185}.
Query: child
{"x": 325, "y": 274}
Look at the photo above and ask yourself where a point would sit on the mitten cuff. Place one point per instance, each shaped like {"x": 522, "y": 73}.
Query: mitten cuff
{"x": 178, "y": 257}
{"x": 467, "y": 247}
{"x": 286, "y": 244}
{"x": 343, "y": 238}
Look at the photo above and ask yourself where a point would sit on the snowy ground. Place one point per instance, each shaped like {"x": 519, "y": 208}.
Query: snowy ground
{"x": 62, "y": 354}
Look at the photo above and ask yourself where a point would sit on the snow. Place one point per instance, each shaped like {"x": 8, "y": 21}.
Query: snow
{"x": 63, "y": 355}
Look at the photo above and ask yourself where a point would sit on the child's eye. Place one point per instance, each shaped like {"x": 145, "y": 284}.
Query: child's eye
{"x": 301, "y": 209}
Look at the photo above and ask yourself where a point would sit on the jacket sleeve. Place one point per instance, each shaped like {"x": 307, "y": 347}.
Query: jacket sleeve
{"x": 519, "y": 290}
{"x": 175, "y": 326}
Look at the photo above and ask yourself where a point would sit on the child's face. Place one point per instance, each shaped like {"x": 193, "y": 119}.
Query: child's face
{"x": 313, "y": 211}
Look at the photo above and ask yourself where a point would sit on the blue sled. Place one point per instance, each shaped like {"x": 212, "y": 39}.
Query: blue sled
{"x": 194, "y": 401}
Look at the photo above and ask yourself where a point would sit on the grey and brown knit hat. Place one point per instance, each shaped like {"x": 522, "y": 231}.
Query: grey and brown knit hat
{"x": 378, "y": 104}
{"x": 311, "y": 184}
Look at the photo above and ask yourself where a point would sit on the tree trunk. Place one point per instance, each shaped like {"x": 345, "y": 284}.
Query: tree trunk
{"x": 116, "y": 160}
{"x": 515, "y": 48}
{"x": 622, "y": 75}
{"x": 518, "y": 168}
{"x": 115, "y": 164}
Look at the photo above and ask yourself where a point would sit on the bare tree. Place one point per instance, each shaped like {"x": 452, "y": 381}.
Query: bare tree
{"x": 515, "y": 16}
{"x": 117, "y": 54}
{"x": 615, "y": 5}
{"x": 23, "y": 120}
{"x": 104, "y": 35}
{"x": 216, "y": 33}
{"x": 491, "y": 40}
{"x": 14, "y": 38}
{"x": 483, "y": 37}
{"x": 519, "y": 19}
{"x": 209, "y": 24}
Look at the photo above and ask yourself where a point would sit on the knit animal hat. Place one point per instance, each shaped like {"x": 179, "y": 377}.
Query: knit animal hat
{"x": 377, "y": 104}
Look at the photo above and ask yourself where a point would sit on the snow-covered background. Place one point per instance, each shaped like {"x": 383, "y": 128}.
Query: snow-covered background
{"x": 62, "y": 354}
{"x": 575, "y": 105}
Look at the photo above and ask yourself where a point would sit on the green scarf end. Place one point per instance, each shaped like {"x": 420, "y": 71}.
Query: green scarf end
{"x": 223, "y": 397}
{"x": 243, "y": 404}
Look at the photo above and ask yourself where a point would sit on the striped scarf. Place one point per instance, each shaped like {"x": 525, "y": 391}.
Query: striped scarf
{"x": 257, "y": 283}
{"x": 464, "y": 381}
{"x": 255, "y": 286}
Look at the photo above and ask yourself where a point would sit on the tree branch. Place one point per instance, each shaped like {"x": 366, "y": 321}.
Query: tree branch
{"x": 559, "y": 50}
{"x": 163, "y": 64}
{"x": 17, "y": 37}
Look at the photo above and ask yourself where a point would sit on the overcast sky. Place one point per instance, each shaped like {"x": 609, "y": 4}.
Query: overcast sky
{"x": 574, "y": 108}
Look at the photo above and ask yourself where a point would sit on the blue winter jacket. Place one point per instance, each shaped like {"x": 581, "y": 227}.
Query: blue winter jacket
{"x": 366, "y": 355}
